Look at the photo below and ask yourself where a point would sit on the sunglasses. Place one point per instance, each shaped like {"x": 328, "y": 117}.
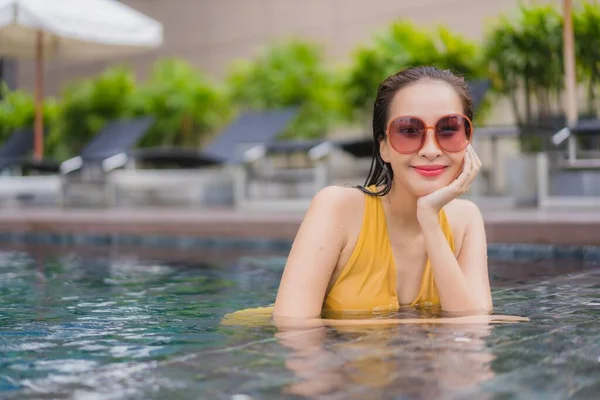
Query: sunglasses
{"x": 407, "y": 134}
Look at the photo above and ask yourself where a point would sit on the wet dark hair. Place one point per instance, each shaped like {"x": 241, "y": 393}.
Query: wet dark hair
{"x": 381, "y": 172}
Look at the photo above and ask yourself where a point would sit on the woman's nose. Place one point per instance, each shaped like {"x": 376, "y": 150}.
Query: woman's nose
{"x": 430, "y": 148}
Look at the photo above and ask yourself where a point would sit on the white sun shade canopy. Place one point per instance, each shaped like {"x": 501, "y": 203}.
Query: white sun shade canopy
{"x": 75, "y": 29}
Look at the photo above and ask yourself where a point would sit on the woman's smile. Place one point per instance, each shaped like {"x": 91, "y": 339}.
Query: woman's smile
{"x": 430, "y": 170}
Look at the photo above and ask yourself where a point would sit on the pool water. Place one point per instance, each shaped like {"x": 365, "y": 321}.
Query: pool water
{"x": 122, "y": 324}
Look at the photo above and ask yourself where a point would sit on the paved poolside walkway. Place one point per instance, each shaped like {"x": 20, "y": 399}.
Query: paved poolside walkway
{"x": 561, "y": 227}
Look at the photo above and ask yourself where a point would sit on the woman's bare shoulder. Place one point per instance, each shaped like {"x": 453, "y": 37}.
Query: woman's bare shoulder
{"x": 461, "y": 213}
{"x": 343, "y": 199}
{"x": 342, "y": 206}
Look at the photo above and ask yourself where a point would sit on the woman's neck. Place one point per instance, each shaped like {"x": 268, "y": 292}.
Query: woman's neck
{"x": 401, "y": 208}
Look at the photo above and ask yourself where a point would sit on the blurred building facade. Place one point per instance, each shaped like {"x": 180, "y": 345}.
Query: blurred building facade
{"x": 212, "y": 33}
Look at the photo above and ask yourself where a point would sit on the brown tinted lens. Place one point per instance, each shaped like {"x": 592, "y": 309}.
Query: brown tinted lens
{"x": 406, "y": 134}
{"x": 453, "y": 133}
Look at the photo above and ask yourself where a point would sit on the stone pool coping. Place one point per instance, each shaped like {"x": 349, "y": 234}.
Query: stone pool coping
{"x": 543, "y": 233}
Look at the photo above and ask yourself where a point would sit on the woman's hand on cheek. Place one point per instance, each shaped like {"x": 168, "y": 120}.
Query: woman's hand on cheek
{"x": 430, "y": 205}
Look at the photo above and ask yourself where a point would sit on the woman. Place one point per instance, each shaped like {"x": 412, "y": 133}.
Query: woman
{"x": 404, "y": 238}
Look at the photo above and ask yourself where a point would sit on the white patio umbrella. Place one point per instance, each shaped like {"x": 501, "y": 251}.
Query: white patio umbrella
{"x": 71, "y": 29}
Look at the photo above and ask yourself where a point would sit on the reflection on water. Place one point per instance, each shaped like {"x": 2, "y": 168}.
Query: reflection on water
{"x": 129, "y": 325}
{"x": 412, "y": 361}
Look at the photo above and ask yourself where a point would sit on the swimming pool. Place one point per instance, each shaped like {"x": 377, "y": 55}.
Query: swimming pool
{"x": 127, "y": 324}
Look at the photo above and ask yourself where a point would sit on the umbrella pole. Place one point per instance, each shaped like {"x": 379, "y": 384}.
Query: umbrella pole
{"x": 570, "y": 79}
{"x": 39, "y": 97}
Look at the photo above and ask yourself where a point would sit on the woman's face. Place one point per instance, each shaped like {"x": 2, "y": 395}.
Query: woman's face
{"x": 428, "y": 168}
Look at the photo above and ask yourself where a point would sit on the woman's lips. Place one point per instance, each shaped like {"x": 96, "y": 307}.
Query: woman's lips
{"x": 430, "y": 170}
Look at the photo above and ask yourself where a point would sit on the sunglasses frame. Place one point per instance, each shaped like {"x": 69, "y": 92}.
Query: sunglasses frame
{"x": 427, "y": 127}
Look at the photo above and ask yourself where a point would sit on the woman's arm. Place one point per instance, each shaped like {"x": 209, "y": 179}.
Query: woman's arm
{"x": 462, "y": 282}
{"x": 313, "y": 257}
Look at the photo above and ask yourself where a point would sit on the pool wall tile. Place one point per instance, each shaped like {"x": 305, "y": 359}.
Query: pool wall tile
{"x": 502, "y": 251}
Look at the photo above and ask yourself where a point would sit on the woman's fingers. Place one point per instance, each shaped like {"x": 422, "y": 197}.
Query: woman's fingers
{"x": 475, "y": 164}
{"x": 475, "y": 157}
{"x": 466, "y": 172}
{"x": 462, "y": 182}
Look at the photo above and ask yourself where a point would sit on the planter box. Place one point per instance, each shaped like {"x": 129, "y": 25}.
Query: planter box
{"x": 575, "y": 183}
{"x": 521, "y": 178}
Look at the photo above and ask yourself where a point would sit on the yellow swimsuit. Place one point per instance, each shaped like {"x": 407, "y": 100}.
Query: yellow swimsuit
{"x": 368, "y": 280}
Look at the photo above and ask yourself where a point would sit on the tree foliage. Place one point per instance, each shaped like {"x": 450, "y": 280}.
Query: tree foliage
{"x": 185, "y": 104}
{"x": 526, "y": 52}
{"x": 290, "y": 73}
{"x": 400, "y": 46}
